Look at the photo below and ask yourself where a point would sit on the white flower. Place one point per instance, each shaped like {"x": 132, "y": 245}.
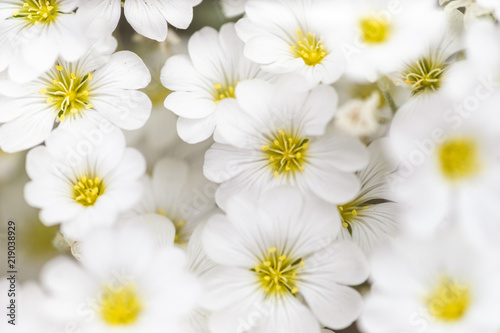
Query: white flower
{"x": 380, "y": 34}
{"x": 366, "y": 108}
{"x": 100, "y": 86}
{"x": 232, "y": 8}
{"x": 198, "y": 264}
{"x": 34, "y": 33}
{"x": 440, "y": 285}
{"x": 82, "y": 179}
{"x": 274, "y": 135}
{"x": 448, "y": 164}
{"x": 148, "y": 18}
{"x": 293, "y": 36}
{"x": 125, "y": 282}
{"x": 428, "y": 72}
{"x": 211, "y": 73}
{"x": 371, "y": 218}
{"x": 279, "y": 270}
{"x": 359, "y": 117}
{"x": 179, "y": 192}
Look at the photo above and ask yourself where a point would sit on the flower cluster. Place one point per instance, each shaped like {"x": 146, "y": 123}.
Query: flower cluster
{"x": 305, "y": 166}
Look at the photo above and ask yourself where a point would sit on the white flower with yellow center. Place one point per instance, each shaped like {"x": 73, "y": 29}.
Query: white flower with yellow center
{"x": 198, "y": 264}
{"x": 426, "y": 74}
{"x": 274, "y": 135}
{"x": 371, "y": 218}
{"x": 180, "y": 193}
{"x": 100, "y": 86}
{"x": 448, "y": 165}
{"x": 148, "y": 18}
{"x": 34, "y": 33}
{"x": 440, "y": 285}
{"x": 279, "y": 269}
{"x": 82, "y": 179}
{"x": 292, "y": 36}
{"x": 124, "y": 282}
{"x": 210, "y": 74}
{"x": 380, "y": 34}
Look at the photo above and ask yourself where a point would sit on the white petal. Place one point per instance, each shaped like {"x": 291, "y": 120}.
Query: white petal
{"x": 26, "y": 131}
{"x": 195, "y": 130}
{"x": 178, "y": 13}
{"x": 319, "y": 109}
{"x": 179, "y": 74}
{"x": 207, "y": 55}
{"x": 329, "y": 184}
{"x": 104, "y": 14}
{"x": 290, "y": 316}
{"x": 126, "y": 109}
{"x": 340, "y": 262}
{"x": 269, "y": 49}
{"x": 240, "y": 316}
{"x": 237, "y": 126}
{"x": 223, "y": 162}
{"x": 145, "y": 18}
{"x": 339, "y": 151}
{"x": 226, "y": 245}
{"x": 12, "y": 108}
{"x": 334, "y": 305}
{"x": 228, "y": 286}
{"x": 254, "y": 97}
{"x": 191, "y": 105}
{"x": 124, "y": 70}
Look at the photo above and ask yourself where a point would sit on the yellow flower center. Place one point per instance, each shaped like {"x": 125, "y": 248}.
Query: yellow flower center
{"x": 86, "y": 190}
{"x": 224, "y": 91}
{"x": 68, "y": 93}
{"x": 37, "y": 11}
{"x": 277, "y": 273}
{"x": 181, "y": 236}
{"x": 120, "y": 307}
{"x": 286, "y": 153}
{"x": 309, "y": 47}
{"x": 375, "y": 29}
{"x": 346, "y": 215}
{"x": 425, "y": 75}
{"x": 449, "y": 301}
{"x": 459, "y": 159}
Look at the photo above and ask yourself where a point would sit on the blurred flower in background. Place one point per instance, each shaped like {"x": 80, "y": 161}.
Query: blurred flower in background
{"x": 251, "y": 166}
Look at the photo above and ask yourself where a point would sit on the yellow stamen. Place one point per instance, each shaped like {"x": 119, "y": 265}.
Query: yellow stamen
{"x": 309, "y": 47}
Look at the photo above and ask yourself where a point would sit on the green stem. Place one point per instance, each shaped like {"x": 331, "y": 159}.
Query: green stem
{"x": 384, "y": 86}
